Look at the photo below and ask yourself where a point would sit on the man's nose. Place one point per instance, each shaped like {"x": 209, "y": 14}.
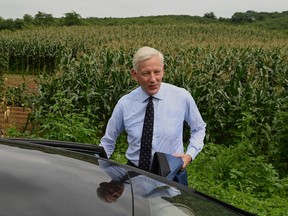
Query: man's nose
{"x": 152, "y": 77}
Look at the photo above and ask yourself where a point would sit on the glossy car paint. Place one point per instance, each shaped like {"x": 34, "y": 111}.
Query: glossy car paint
{"x": 40, "y": 180}
{"x": 46, "y": 182}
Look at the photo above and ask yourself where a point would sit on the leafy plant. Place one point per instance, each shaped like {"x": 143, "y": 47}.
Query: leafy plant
{"x": 68, "y": 127}
{"x": 236, "y": 74}
{"x": 236, "y": 175}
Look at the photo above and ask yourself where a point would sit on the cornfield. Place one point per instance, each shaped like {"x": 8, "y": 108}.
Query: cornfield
{"x": 37, "y": 50}
{"x": 237, "y": 75}
{"x": 231, "y": 71}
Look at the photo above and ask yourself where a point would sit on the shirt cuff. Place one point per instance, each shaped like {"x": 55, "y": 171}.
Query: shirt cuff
{"x": 192, "y": 152}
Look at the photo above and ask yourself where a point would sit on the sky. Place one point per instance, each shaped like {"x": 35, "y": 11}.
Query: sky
{"x": 133, "y": 8}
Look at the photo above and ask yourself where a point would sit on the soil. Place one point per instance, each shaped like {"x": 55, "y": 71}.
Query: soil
{"x": 16, "y": 80}
{"x": 16, "y": 117}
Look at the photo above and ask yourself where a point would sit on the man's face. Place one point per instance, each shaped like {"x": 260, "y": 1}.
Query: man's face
{"x": 149, "y": 75}
{"x": 112, "y": 191}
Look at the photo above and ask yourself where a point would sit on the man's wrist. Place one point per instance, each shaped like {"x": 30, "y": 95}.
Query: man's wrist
{"x": 190, "y": 157}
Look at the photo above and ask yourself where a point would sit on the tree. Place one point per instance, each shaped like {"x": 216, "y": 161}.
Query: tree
{"x": 7, "y": 24}
{"x": 250, "y": 15}
{"x": 72, "y": 18}
{"x": 28, "y": 18}
{"x": 240, "y": 17}
{"x": 42, "y": 18}
{"x": 18, "y": 24}
{"x": 210, "y": 15}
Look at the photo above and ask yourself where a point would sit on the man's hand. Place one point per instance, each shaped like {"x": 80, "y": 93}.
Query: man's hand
{"x": 186, "y": 158}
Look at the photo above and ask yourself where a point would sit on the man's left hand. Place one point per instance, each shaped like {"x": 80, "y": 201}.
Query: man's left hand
{"x": 186, "y": 159}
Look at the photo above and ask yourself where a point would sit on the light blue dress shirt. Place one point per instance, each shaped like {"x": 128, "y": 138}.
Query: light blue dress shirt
{"x": 172, "y": 106}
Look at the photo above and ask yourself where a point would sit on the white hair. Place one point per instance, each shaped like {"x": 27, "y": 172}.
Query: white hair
{"x": 145, "y": 53}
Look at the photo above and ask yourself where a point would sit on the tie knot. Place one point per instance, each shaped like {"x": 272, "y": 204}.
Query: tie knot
{"x": 151, "y": 98}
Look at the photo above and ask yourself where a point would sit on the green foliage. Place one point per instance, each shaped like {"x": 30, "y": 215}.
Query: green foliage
{"x": 89, "y": 85}
{"x": 14, "y": 132}
{"x": 1, "y": 77}
{"x": 18, "y": 96}
{"x": 270, "y": 21}
{"x": 43, "y": 19}
{"x": 239, "y": 92}
{"x": 10, "y": 24}
{"x": 237, "y": 75}
{"x": 228, "y": 173}
{"x": 120, "y": 149}
{"x": 278, "y": 145}
{"x": 68, "y": 127}
{"x": 62, "y": 113}
{"x": 28, "y": 18}
{"x": 266, "y": 20}
{"x": 240, "y": 17}
{"x": 210, "y": 15}
{"x": 39, "y": 50}
{"x": 30, "y": 56}
{"x": 72, "y": 18}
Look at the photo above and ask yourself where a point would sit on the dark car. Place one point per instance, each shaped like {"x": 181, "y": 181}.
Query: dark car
{"x": 41, "y": 177}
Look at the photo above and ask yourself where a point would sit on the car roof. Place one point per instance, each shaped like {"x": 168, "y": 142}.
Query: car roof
{"x": 37, "y": 179}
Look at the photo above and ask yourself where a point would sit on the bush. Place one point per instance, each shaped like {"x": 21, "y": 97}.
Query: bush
{"x": 68, "y": 127}
{"x": 237, "y": 176}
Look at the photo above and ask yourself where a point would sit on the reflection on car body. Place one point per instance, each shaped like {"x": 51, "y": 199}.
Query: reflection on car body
{"x": 37, "y": 179}
{"x": 143, "y": 187}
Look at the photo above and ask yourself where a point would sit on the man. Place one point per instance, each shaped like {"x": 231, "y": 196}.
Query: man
{"x": 143, "y": 186}
{"x": 172, "y": 106}
{"x": 149, "y": 195}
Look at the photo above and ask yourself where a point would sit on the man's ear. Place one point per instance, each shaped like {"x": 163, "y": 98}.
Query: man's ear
{"x": 134, "y": 75}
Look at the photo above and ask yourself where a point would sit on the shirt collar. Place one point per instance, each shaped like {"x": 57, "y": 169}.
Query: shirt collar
{"x": 143, "y": 96}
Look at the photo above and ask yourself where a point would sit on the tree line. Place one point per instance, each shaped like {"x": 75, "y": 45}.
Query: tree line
{"x": 270, "y": 20}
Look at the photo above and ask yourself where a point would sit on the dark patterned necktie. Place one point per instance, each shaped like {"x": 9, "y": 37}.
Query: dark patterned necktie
{"x": 146, "y": 139}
